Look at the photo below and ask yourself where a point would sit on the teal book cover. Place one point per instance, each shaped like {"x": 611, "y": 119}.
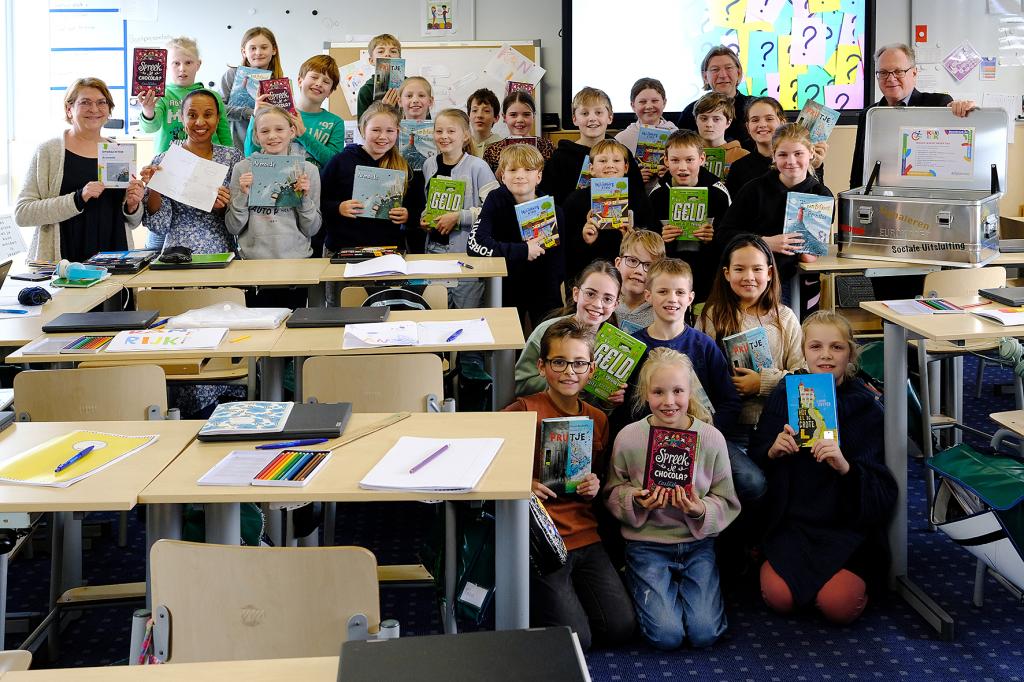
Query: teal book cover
{"x": 273, "y": 181}
{"x": 749, "y": 349}
{"x": 567, "y": 445}
{"x": 818, "y": 119}
{"x": 416, "y": 142}
{"x": 388, "y": 74}
{"x": 246, "y": 86}
{"x": 811, "y": 402}
{"x": 585, "y": 175}
{"x": 537, "y": 220}
{"x": 609, "y": 201}
{"x": 810, "y": 215}
{"x": 379, "y": 190}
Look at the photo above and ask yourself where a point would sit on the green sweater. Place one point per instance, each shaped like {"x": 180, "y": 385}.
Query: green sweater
{"x": 324, "y": 137}
{"x": 166, "y": 121}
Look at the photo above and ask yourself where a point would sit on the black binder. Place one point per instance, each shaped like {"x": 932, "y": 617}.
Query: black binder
{"x": 112, "y": 321}
{"x": 336, "y": 317}
{"x": 306, "y": 420}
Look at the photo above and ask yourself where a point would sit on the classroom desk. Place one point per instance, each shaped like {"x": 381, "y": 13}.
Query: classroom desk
{"x": 507, "y": 481}
{"x": 324, "y": 669}
{"x": 17, "y": 331}
{"x": 1012, "y": 420}
{"x": 115, "y": 488}
{"x": 897, "y": 329}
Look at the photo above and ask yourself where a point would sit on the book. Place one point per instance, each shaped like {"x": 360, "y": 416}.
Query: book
{"x": 36, "y": 466}
{"x": 616, "y": 355}
{"x": 818, "y": 119}
{"x": 517, "y": 86}
{"x": 246, "y": 86}
{"x": 89, "y": 343}
{"x": 609, "y": 201}
{"x": 121, "y": 262}
{"x": 568, "y": 447}
{"x": 585, "y": 175}
{"x": 136, "y": 340}
{"x": 273, "y": 180}
{"x": 149, "y": 70}
{"x": 389, "y": 72}
{"x": 749, "y": 349}
{"x": 247, "y": 416}
{"x": 199, "y": 260}
{"x": 395, "y": 264}
{"x": 1008, "y": 317}
{"x": 285, "y": 468}
{"x": 416, "y": 142}
{"x": 279, "y": 93}
{"x": 650, "y": 146}
{"x": 65, "y": 283}
{"x": 358, "y": 254}
{"x": 444, "y": 195}
{"x": 457, "y": 470}
{"x": 810, "y": 215}
{"x": 714, "y": 161}
{"x": 379, "y": 190}
{"x": 688, "y": 209}
{"x": 671, "y": 455}
{"x": 811, "y": 402}
{"x": 474, "y": 332}
{"x": 115, "y": 164}
{"x": 537, "y": 220}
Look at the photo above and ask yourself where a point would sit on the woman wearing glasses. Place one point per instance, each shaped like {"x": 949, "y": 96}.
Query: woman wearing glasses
{"x": 722, "y": 72}
{"x": 74, "y": 214}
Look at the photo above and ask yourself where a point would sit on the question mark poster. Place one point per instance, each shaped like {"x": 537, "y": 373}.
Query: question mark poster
{"x": 794, "y": 50}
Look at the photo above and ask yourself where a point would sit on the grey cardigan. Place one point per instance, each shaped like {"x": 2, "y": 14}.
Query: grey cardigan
{"x": 41, "y": 205}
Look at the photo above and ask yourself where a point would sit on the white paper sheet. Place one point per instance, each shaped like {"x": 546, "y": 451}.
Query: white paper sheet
{"x": 12, "y": 242}
{"x": 238, "y": 467}
{"x": 458, "y": 469}
{"x": 508, "y": 64}
{"x": 187, "y": 178}
{"x": 378, "y": 334}
{"x": 437, "y": 333}
{"x": 393, "y": 264}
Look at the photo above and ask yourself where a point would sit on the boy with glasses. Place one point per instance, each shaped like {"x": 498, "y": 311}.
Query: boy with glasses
{"x": 638, "y": 251}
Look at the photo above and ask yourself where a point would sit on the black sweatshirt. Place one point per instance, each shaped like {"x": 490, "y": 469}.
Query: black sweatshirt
{"x": 751, "y": 166}
{"x": 562, "y": 170}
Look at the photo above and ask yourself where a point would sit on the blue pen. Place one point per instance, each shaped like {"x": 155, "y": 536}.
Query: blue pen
{"x": 466, "y": 265}
{"x": 453, "y": 336}
{"x": 13, "y": 311}
{"x": 159, "y": 323}
{"x": 77, "y": 456}
{"x": 292, "y": 444}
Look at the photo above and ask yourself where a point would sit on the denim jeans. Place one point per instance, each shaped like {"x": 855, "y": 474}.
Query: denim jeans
{"x": 675, "y": 592}
{"x": 747, "y": 477}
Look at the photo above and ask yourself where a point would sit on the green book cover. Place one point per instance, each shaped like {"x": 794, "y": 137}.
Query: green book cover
{"x": 688, "y": 209}
{"x": 616, "y": 355}
{"x": 714, "y": 160}
{"x": 444, "y": 195}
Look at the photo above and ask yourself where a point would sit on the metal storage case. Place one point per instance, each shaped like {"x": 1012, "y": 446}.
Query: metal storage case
{"x": 951, "y": 221}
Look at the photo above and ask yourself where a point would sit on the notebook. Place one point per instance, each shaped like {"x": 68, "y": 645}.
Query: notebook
{"x": 4, "y": 269}
{"x": 336, "y": 317}
{"x": 283, "y": 468}
{"x": 306, "y": 420}
{"x": 456, "y": 470}
{"x": 1006, "y": 295}
{"x": 199, "y": 261}
{"x": 115, "y": 320}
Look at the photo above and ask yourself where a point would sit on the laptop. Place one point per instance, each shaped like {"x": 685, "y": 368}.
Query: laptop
{"x": 1006, "y": 295}
{"x": 336, "y": 317}
{"x": 306, "y": 420}
{"x": 113, "y": 321}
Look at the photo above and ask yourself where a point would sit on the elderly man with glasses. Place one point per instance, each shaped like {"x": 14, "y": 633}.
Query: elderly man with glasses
{"x": 896, "y": 71}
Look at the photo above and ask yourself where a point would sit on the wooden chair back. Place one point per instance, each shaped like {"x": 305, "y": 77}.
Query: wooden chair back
{"x": 237, "y": 603}
{"x": 15, "y": 660}
{"x": 177, "y": 301}
{"x": 104, "y": 393}
{"x": 964, "y": 281}
{"x": 436, "y": 296}
{"x": 375, "y": 383}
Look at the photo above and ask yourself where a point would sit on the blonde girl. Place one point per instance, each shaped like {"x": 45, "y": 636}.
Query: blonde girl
{"x": 259, "y": 50}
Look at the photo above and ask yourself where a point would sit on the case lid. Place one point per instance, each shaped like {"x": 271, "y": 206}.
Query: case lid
{"x": 929, "y": 147}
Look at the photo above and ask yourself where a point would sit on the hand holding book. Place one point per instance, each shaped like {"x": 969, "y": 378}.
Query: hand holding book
{"x": 828, "y": 451}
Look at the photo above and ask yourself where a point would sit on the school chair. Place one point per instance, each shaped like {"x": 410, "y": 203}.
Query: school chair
{"x": 260, "y": 602}
{"x": 436, "y": 296}
{"x": 15, "y": 660}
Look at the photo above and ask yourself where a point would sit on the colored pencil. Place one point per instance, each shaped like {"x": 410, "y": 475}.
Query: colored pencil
{"x": 271, "y": 466}
{"x": 298, "y": 461}
{"x": 310, "y": 467}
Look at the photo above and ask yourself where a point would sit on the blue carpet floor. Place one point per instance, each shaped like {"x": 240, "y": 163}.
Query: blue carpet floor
{"x": 889, "y": 642}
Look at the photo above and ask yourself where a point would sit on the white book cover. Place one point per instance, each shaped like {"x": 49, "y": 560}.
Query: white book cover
{"x": 456, "y": 470}
{"x": 116, "y": 164}
{"x": 394, "y": 264}
{"x": 167, "y": 340}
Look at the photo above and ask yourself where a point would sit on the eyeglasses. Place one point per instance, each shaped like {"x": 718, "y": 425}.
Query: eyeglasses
{"x": 637, "y": 263}
{"x": 90, "y": 103}
{"x": 590, "y": 295}
{"x": 899, "y": 73}
{"x": 561, "y": 364}
{"x": 715, "y": 70}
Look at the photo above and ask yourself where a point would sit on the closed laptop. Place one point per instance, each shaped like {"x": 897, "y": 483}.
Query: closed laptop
{"x": 115, "y": 320}
{"x": 306, "y": 420}
{"x": 1006, "y": 295}
{"x": 336, "y": 317}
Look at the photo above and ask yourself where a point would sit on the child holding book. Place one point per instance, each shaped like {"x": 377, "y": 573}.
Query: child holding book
{"x": 383, "y": 46}
{"x": 827, "y": 508}
{"x": 593, "y": 303}
{"x": 586, "y": 594}
{"x": 519, "y": 112}
{"x": 483, "y": 108}
{"x": 647, "y": 97}
{"x": 272, "y": 232}
{"x": 760, "y": 207}
{"x": 585, "y": 238}
{"x": 763, "y": 116}
{"x": 535, "y": 273}
{"x": 415, "y": 98}
{"x": 450, "y": 232}
{"x": 715, "y": 112}
{"x": 320, "y": 133}
{"x": 592, "y": 114}
{"x": 670, "y": 553}
{"x": 259, "y": 50}
{"x": 684, "y": 157}
{"x": 639, "y": 250}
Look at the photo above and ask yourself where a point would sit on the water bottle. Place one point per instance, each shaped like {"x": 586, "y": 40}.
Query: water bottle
{"x": 79, "y": 272}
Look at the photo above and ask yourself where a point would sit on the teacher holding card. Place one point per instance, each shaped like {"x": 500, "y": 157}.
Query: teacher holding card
{"x": 188, "y": 185}
{"x": 75, "y": 215}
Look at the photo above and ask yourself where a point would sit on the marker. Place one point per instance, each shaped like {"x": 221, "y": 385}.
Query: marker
{"x": 292, "y": 444}
{"x": 428, "y": 459}
{"x": 241, "y": 338}
{"x": 13, "y": 311}
{"x": 77, "y": 456}
{"x": 160, "y": 323}
{"x": 466, "y": 265}
{"x": 453, "y": 336}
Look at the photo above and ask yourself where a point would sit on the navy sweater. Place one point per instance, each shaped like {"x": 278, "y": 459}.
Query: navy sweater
{"x": 562, "y": 170}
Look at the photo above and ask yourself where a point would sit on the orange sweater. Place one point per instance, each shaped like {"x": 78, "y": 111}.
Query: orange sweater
{"x": 573, "y": 516}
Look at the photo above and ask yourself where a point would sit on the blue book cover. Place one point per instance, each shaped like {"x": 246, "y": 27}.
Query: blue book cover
{"x": 650, "y": 146}
{"x": 609, "y": 199}
{"x": 811, "y": 400}
{"x": 389, "y": 72}
{"x": 818, "y": 119}
{"x": 537, "y": 220}
{"x": 273, "y": 180}
{"x": 585, "y": 176}
{"x": 379, "y": 190}
{"x": 810, "y": 215}
{"x": 567, "y": 447}
{"x": 749, "y": 349}
{"x": 246, "y": 86}
{"x": 247, "y": 417}
{"x": 416, "y": 142}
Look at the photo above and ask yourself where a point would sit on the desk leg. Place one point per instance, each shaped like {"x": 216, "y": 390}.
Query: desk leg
{"x": 450, "y": 562}
{"x": 72, "y": 559}
{"x": 223, "y": 523}
{"x": 492, "y": 292}
{"x": 315, "y": 297}
{"x": 163, "y": 522}
{"x": 58, "y": 530}
{"x": 503, "y": 369}
{"x": 271, "y": 379}
{"x": 511, "y": 564}
{"x": 895, "y": 421}
{"x": 3, "y": 599}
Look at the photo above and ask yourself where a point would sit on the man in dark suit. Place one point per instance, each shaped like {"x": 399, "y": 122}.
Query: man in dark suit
{"x": 896, "y": 71}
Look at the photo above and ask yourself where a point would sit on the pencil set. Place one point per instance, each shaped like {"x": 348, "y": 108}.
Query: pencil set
{"x": 940, "y": 305}
{"x": 90, "y": 343}
{"x": 291, "y": 468}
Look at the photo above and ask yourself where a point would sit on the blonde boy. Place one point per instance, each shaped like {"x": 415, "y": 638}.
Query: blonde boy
{"x": 714, "y": 113}
{"x": 639, "y": 250}
{"x": 384, "y": 46}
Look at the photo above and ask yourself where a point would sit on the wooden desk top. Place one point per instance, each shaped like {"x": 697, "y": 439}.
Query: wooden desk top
{"x": 508, "y": 477}
{"x": 272, "y": 272}
{"x": 956, "y": 327}
{"x": 16, "y": 332}
{"x": 504, "y": 324}
{"x": 834, "y": 263}
{"x": 323, "y": 669}
{"x": 116, "y": 488}
{"x": 482, "y": 267}
{"x": 1013, "y": 420}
